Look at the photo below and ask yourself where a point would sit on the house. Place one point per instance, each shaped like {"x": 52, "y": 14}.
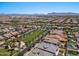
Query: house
{"x": 39, "y": 52}
{"x": 18, "y": 45}
{"x": 15, "y": 33}
{"x": 2, "y": 41}
{"x": 7, "y": 35}
{"x": 76, "y": 34}
{"x": 48, "y": 47}
{"x": 49, "y": 39}
{"x": 5, "y": 30}
{"x": 1, "y": 38}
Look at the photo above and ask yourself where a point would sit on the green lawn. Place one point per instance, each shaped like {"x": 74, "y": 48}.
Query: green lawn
{"x": 30, "y": 37}
{"x": 70, "y": 44}
{"x": 72, "y": 53}
{"x": 5, "y": 52}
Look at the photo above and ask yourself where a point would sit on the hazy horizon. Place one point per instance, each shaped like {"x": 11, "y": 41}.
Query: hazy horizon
{"x": 38, "y": 7}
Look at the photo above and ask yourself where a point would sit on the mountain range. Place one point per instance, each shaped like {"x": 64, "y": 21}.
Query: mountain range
{"x": 63, "y": 14}
{"x": 48, "y": 14}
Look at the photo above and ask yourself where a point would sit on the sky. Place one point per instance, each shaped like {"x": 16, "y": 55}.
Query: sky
{"x": 38, "y": 7}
